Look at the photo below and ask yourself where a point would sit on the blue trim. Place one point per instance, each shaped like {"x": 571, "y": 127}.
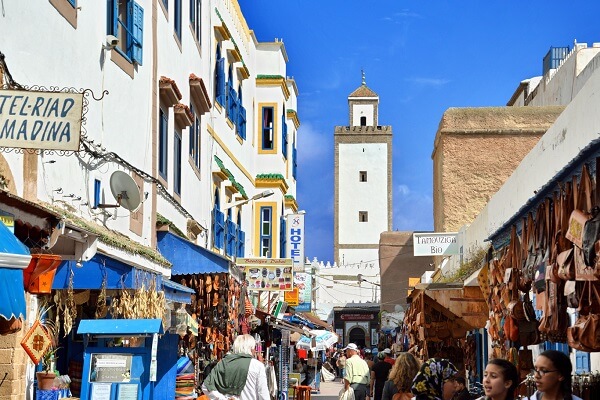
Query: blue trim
{"x": 120, "y": 327}
{"x": 500, "y": 237}
{"x": 176, "y": 292}
{"x": 163, "y": 142}
{"x": 177, "y": 162}
{"x": 115, "y": 273}
{"x": 12, "y": 291}
{"x": 189, "y": 258}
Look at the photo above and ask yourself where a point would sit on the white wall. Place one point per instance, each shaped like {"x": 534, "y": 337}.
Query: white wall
{"x": 363, "y": 110}
{"x": 355, "y": 196}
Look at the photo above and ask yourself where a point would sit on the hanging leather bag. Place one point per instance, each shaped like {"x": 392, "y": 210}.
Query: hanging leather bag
{"x": 566, "y": 265}
{"x": 584, "y": 335}
{"x": 580, "y": 215}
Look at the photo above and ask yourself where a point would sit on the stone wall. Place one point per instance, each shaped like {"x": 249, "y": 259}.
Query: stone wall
{"x": 475, "y": 151}
{"x": 397, "y": 264}
{"x": 13, "y": 364}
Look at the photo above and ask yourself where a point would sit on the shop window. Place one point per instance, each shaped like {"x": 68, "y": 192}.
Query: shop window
{"x": 126, "y": 23}
{"x": 363, "y": 216}
{"x": 266, "y": 227}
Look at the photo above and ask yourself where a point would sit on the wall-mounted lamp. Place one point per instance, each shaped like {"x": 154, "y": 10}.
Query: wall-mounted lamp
{"x": 261, "y": 195}
{"x": 49, "y": 162}
{"x": 58, "y": 191}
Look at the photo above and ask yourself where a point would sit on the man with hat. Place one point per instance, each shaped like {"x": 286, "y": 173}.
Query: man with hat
{"x": 388, "y": 357}
{"x": 357, "y": 374}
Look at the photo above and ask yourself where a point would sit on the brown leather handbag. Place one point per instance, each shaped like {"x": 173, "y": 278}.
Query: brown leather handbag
{"x": 566, "y": 265}
{"x": 584, "y": 335}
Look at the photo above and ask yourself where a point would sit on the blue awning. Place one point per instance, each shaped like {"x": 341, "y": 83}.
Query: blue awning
{"x": 120, "y": 327}
{"x": 189, "y": 258}
{"x": 14, "y": 257}
{"x": 176, "y": 292}
{"x": 91, "y": 274}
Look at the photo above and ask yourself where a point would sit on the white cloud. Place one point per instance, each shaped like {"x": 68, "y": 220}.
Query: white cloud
{"x": 313, "y": 146}
{"x": 402, "y": 190}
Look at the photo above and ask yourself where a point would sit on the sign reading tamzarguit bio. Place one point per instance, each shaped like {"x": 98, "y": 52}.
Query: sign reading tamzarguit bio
{"x": 435, "y": 244}
{"x": 40, "y": 120}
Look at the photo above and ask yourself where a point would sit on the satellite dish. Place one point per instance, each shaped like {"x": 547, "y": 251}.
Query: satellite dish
{"x": 125, "y": 191}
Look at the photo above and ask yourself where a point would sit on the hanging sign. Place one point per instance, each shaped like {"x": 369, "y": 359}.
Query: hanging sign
{"x": 435, "y": 244}
{"x": 295, "y": 240}
{"x": 291, "y": 297}
{"x": 40, "y": 120}
{"x": 269, "y": 274}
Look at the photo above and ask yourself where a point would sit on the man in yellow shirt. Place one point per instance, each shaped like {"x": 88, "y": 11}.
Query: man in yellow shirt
{"x": 357, "y": 374}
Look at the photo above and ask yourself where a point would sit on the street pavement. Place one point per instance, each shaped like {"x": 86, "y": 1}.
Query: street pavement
{"x": 329, "y": 390}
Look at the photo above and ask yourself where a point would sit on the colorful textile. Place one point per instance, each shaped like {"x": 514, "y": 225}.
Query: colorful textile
{"x": 429, "y": 382}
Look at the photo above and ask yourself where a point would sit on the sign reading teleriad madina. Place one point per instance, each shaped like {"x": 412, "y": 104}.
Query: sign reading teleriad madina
{"x": 40, "y": 120}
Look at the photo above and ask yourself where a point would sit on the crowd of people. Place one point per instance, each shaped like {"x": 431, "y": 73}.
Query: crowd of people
{"x": 406, "y": 378}
{"x": 240, "y": 376}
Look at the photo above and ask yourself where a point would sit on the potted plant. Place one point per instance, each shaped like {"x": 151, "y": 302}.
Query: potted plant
{"x": 46, "y": 377}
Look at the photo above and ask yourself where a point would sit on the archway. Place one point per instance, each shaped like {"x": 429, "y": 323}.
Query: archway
{"x": 357, "y": 336}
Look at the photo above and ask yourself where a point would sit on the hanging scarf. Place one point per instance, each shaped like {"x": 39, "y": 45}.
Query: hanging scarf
{"x": 229, "y": 375}
{"x": 429, "y": 382}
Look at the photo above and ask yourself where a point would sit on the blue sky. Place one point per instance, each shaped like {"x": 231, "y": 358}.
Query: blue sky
{"x": 421, "y": 58}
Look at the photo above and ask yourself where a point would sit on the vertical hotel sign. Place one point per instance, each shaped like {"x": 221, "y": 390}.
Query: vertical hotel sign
{"x": 40, "y": 120}
{"x": 295, "y": 240}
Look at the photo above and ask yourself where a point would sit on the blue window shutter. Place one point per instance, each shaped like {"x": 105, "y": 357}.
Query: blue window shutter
{"x": 97, "y": 192}
{"x": 284, "y": 141}
{"x": 582, "y": 362}
{"x": 294, "y": 162}
{"x": 136, "y": 27}
{"x": 221, "y": 81}
{"x": 242, "y": 122}
{"x": 231, "y": 237}
{"x": 219, "y": 233}
{"x": 113, "y": 17}
{"x": 241, "y": 243}
{"x": 282, "y": 238}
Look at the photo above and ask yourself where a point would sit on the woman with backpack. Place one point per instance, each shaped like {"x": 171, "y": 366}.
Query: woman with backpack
{"x": 399, "y": 382}
{"x": 500, "y": 380}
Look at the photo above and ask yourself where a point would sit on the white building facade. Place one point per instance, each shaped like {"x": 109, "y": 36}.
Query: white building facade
{"x": 182, "y": 98}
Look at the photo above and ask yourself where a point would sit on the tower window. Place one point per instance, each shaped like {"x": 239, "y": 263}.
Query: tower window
{"x": 362, "y": 176}
{"x": 363, "y": 216}
{"x": 363, "y": 121}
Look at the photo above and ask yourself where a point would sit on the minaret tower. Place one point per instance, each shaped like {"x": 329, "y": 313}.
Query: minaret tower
{"x": 363, "y": 183}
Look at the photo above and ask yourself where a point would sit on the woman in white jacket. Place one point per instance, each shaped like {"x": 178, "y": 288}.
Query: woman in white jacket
{"x": 552, "y": 374}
